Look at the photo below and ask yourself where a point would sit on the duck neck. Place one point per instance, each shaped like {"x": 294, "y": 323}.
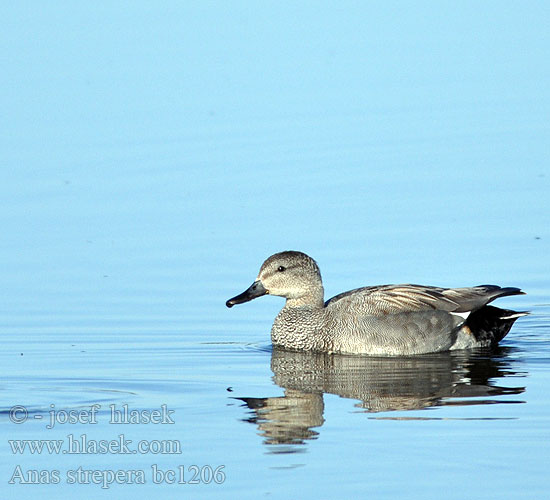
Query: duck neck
{"x": 313, "y": 299}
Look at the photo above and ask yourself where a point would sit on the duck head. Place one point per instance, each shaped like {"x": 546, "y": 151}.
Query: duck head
{"x": 292, "y": 275}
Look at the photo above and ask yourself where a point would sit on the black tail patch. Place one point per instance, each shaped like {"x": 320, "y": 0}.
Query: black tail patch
{"x": 490, "y": 324}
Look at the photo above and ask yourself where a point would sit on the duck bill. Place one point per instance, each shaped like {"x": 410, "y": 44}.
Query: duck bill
{"x": 255, "y": 290}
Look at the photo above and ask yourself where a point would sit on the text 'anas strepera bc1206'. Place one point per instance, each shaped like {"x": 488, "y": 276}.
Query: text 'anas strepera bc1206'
{"x": 377, "y": 320}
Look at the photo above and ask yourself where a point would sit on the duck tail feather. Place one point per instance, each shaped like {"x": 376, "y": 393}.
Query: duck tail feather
{"x": 491, "y": 324}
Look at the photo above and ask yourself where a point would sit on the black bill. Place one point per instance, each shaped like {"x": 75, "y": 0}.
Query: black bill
{"x": 255, "y": 290}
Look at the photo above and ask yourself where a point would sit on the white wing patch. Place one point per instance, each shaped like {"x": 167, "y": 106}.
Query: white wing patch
{"x": 463, "y": 315}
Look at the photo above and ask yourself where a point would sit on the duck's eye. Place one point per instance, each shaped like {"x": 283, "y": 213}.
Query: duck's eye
{"x": 281, "y": 269}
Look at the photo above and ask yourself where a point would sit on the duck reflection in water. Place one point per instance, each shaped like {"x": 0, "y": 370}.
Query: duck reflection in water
{"x": 379, "y": 384}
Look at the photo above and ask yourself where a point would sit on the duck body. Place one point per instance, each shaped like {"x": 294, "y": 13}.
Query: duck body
{"x": 377, "y": 320}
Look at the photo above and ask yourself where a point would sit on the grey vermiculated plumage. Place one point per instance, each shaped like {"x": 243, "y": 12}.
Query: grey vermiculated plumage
{"x": 378, "y": 320}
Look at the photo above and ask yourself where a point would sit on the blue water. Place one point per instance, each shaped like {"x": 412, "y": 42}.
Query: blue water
{"x": 153, "y": 155}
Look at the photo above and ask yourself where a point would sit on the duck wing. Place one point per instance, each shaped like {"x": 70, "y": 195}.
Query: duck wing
{"x": 394, "y": 299}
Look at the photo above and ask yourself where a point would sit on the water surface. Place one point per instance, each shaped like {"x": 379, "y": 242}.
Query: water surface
{"x": 154, "y": 156}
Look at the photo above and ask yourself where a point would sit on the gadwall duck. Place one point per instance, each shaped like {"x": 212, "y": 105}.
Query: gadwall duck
{"x": 376, "y": 320}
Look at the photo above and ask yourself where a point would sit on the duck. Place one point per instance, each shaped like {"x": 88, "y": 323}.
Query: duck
{"x": 383, "y": 320}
